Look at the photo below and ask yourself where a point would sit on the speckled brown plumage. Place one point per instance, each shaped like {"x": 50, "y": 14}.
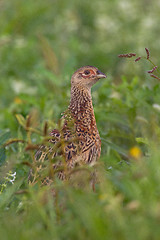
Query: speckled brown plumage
{"x": 78, "y": 140}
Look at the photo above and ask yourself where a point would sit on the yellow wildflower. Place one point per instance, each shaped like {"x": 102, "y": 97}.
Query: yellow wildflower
{"x": 135, "y": 152}
{"x": 17, "y": 100}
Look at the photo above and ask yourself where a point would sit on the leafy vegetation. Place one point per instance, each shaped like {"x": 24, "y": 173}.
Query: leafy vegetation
{"x": 41, "y": 45}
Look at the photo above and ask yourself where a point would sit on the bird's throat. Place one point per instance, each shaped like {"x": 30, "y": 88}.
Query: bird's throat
{"x": 81, "y": 106}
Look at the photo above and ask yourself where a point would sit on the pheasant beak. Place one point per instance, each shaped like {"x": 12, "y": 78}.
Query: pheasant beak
{"x": 100, "y": 75}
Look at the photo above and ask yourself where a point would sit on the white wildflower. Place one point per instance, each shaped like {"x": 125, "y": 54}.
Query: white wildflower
{"x": 156, "y": 106}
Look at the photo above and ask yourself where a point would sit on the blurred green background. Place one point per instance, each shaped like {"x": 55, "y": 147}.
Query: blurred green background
{"x": 41, "y": 44}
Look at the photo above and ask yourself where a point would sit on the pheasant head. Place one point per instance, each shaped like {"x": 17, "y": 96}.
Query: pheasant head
{"x": 86, "y": 77}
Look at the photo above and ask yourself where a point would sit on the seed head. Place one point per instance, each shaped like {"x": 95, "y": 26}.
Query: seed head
{"x": 147, "y": 51}
{"x": 137, "y": 59}
{"x": 154, "y": 76}
{"x": 153, "y": 69}
{"x": 128, "y": 55}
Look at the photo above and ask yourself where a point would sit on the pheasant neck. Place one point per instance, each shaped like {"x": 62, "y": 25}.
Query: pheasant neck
{"x": 81, "y": 105}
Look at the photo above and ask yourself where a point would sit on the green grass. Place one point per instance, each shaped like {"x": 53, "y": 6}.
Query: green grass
{"x": 41, "y": 44}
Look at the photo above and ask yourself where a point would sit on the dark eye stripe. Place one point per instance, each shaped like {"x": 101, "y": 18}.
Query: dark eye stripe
{"x": 86, "y": 72}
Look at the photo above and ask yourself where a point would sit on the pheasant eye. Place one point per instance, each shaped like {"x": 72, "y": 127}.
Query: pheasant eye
{"x": 86, "y": 72}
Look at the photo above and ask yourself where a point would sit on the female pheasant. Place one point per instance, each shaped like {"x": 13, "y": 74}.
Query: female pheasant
{"x": 78, "y": 141}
